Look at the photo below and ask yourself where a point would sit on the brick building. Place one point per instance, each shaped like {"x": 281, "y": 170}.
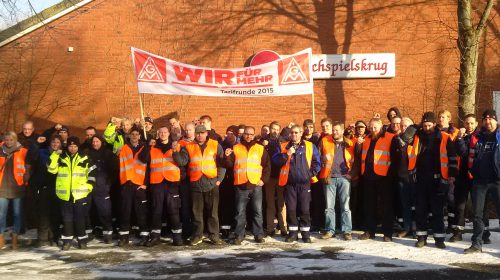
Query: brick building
{"x": 43, "y": 81}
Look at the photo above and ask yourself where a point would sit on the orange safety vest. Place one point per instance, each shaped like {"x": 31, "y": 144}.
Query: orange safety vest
{"x": 285, "y": 169}
{"x": 247, "y": 164}
{"x": 381, "y": 154}
{"x": 131, "y": 168}
{"x": 162, "y": 166}
{"x": 443, "y": 154}
{"x": 202, "y": 164}
{"x": 19, "y": 168}
{"x": 328, "y": 148}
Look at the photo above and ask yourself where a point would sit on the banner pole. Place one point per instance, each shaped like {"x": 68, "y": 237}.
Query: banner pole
{"x": 313, "y": 111}
{"x": 142, "y": 115}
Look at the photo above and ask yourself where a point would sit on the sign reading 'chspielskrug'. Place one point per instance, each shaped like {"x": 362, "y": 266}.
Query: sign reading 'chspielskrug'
{"x": 349, "y": 66}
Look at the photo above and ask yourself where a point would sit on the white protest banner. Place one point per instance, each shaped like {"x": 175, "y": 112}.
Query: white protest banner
{"x": 350, "y": 66}
{"x": 283, "y": 77}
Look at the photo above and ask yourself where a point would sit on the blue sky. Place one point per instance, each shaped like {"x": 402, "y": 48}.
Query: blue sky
{"x": 13, "y": 11}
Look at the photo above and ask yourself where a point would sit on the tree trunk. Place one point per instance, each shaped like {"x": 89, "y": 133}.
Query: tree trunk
{"x": 468, "y": 44}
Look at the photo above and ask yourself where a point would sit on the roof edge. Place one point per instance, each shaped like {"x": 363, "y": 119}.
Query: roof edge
{"x": 34, "y": 27}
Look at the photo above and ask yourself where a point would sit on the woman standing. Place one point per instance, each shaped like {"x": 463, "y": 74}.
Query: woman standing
{"x": 14, "y": 175}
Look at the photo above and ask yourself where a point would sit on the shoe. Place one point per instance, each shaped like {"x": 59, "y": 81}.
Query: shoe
{"x": 123, "y": 241}
{"x": 271, "y": 233}
{"x": 403, "y": 234}
{"x": 306, "y": 239}
{"x": 347, "y": 236}
{"x": 66, "y": 246}
{"x": 366, "y": 235}
{"x": 177, "y": 239}
{"x": 195, "y": 241}
{"x": 457, "y": 236}
{"x": 14, "y": 241}
{"x": 90, "y": 236}
{"x": 82, "y": 244}
{"x": 153, "y": 241}
{"x": 283, "y": 232}
{"x": 107, "y": 238}
{"x": 260, "y": 239}
{"x": 387, "y": 238}
{"x": 327, "y": 235}
{"x": 292, "y": 236}
{"x": 472, "y": 250}
{"x": 237, "y": 241}
{"x": 2, "y": 241}
{"x": 217, "y": 241}
{"x": 440, "y": 244}
{"x": 486, "y": 240}
{"x": 421, "y": 242}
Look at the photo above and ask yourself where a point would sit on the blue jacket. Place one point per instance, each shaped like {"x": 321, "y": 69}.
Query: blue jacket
{"x": 300, "y": 173}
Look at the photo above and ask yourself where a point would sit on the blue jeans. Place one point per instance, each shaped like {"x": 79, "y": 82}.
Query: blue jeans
{"x": 342, "y": 186}
{"x": 17, "y": 210}
{"x": 479, "y": 191}
{"x": 242, "y": 199}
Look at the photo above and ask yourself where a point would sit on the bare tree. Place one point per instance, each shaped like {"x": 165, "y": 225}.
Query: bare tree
{"x": 469, "y": 37}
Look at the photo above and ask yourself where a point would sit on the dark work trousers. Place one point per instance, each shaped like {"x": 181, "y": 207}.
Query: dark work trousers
{"x": 73, "y": 217}
{"x": 227, "y": 206}
{"x": 186, "y": 208}
{"x": 208, "y": 202}
{"x": 133, "y": 198}
{"x": 356, "y": 202}
{"x": 406, "y": 193}
{"x": 165, "y": 195}
{"x": 298, "y": 202}
{"x": 101, "y": 202}
{"x": 49, "y": 214}
{"x": 456, "y": 214}
{"x": 431, "y": 196}
{"x": 318, "y": 206}
{"x": 275, "y": 202}
{"x": 372, "y": 190}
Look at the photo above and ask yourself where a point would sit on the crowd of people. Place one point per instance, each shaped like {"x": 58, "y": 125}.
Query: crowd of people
{"x": 189, "y": 183}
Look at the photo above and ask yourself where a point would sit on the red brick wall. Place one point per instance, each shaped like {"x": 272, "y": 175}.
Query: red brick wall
{"x": 44, "y": 82}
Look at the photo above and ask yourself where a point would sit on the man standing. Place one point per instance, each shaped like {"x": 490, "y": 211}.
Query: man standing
{"x": 433, "y": 154}
{"x": 185, "y": 191}
{"x": 300, "y": 163}
{"x": 484, "y": 164}
{"x": 337, "y": 157}
{"x": 206, "y": 121}
{"x": 164, "y": 178}
{"x": 203, "y": 157}
{"x": 251, "y": 168}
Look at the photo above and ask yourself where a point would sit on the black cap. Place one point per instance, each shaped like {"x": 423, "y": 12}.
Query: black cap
{"x": 64, "y": 128}
{"x": 148, "y": 119}
{"x": 490, "y": 113}
{"x": 429, "y": 117}
{"x": 73, "y": 140}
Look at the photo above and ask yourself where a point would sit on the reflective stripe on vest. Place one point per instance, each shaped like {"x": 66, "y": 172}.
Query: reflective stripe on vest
{"x": 131, "y": 168}
{"x": 72, "y": 178}
{"x": 18, "y": 168}
{"x": 381, "y": 154}
{"x": 285, "y": 169}
{"x": 328, "y": 152}
{"x": 443, "y": 154}
{"x": 247, "y": 164}
{"x": 163, "y": 166}
{"x": 202, "y": 164}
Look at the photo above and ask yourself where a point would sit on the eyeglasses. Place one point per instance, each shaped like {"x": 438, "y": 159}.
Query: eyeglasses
{"x": 295, "y": 132}
{"x": 248, "y": 134}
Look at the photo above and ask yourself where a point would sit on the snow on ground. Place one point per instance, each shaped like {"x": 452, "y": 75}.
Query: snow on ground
{"x": 272, "y": 258}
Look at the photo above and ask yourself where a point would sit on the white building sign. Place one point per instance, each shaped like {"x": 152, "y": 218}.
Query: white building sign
{"x": 351, "y": 66}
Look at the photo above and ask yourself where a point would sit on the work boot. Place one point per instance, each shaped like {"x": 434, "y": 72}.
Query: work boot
{"x": 421, "y": 241}
{"x": 472, "y": 249}
{"x": 366, "y": 235}
{"x": 195, "y": 240}
{"x": 292, "y": 236}
{"x": 486, "y": 237}
{"x": 82, "y": 244}
{"x": 2, "y": 241}
{"x": 215, "y": 240}
{"x": 66, "y": 245}
{"x": 153, "y": 241}
{"x": 107, "y": 238}
{"x": 387, "y": 238}
{"x": 440, "y": 244}
{"x": 457, "y": 236}
{"x": 259, "y": 239}
{"x": 237, "y": 241}
{"x": 123, "y": 241}
{"x": 327, "y": 235}
{"x": 14, "y": 241}
{"x": 347, "y": 236}
{"x": 283, "y": 232}
{"x": 177, "y": 239}
{"x": 143, "y": 241}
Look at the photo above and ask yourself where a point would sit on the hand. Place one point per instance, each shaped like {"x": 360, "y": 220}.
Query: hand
{"x": 461, "y": 133}
{"x": 291, "y": 124}
{"x": 265, "y": 143}
{"x": 361, "y": 140}
{"x": 141, "y": 122}
{"x": 58, "y": 152}
{"x": 41, "y": 139}
{"x": 291, "y": 151}
{"x": 141, "y": 187}
{"x": 260, "y": 183}
{"x": 228, "y": 152}
{"x": 58, "y": 126}
{"x": 116, "y": 121}
{"x": 217, "y": 183}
